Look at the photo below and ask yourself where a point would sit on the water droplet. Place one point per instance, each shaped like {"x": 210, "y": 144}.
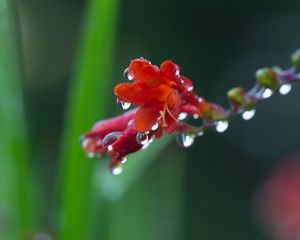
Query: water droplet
{"x": 110, "y": 138}
{"x": 195, "y": 116}
{"x": 176, "y": 71}
{"x": 123, "y": 105}
{"x": 182, "y": 116}
{"x": 130, "y": 122}
{"x": 221, "y": 126}
{"x": 90, "y": 154}
{"x": 128, "y": 75}
{"x": 267, "y": 93}
{"x": 190, "y": 88}
{"x": 285, "y": 89}
{"x": 200, "y": 133}
{"x": 142, "y": 138}
{"x": 247, "y": 115}
{"x": 154, "y": 127}
{"x": 109, "y": 148}
{"x": 84, "y": 142}
{"x": 124, "y": 160}
{"x": 185, "y": 139}
{"x": 116, "y": 170}
{"x": 201, "y": 99}
{"x": 147, "y": 144}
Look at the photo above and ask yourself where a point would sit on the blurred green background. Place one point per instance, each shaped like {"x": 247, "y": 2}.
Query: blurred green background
{"x": 59, "y": 61}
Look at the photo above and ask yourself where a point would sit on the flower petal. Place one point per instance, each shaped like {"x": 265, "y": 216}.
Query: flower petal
{"x": 146, "y": 117}
{"x": 141, "y": 93}
{"x": 169, "y": 69}
{"x": 142, "y": 70}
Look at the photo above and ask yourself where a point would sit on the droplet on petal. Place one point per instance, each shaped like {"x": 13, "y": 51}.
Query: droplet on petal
{"x": 84, "y": 142}
{"x": 128, "y": 75}
{"x": 117, "y": 169}
{"x": 154, "y": 127}
{"x": 88, "y": 145}
{"x": 110, "y": 138}
{"x": 142, "y": 138}
{"x": 185, "y": 139}
{"x": 285, "y": 89}
{"x": 182, "y": 116}
{"x": 123, "y": 105}
{"x": 247, "y": 115}
{"x": 109, "y": 148}
{"x": 130, "y": 122}
{"x": 124, "y": 160}
{"x": 147, "y": 144}
{"x": 221, "y": 126}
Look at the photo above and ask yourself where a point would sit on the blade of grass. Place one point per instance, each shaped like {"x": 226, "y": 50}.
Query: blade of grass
{"x": 16, "y": 213}
{"x": 87, "y": 103}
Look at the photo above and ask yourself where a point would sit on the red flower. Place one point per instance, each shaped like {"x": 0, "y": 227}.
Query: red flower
{"x": 157, "y": 91}
{"x": 162, "y": 96}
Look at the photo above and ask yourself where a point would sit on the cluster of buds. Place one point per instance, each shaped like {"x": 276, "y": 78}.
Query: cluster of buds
{"x": 164, "y": 99}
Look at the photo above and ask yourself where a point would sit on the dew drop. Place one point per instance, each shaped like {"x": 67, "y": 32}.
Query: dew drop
{"x": 201, "y": 99}
{"x": 176, "y": 72}
{"x": 123, "y": 105}
{"x": 190, "y": 88}
{"x": 116, "y": 170}
{"x": 185, "y": 139}
{"x": 129, "y": 76}
{"x": 90, "y": 154}
{"x": 142, "y": 138}
{"x": 267, "y": 93}
{"x": 182, "y": 116}
{"x": 110, "y": 138}
{"x": 147, "y": 144}
{"x": 200, "y": 133}
{"x": 85, "y": 142}
{"x": 247, "y": 115}
{"x": 221, "y": 126}
{"x": 109, "y": 148}
{"x": 154, "y": 127}
{"x": 195, "y": 116}
{"x": 285, "y": 89}
{"x": 130, "y": 122}
{"x": 124, "y": 160}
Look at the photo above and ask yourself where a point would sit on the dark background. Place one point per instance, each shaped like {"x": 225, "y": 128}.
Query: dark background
{"x": 218, "y": 45}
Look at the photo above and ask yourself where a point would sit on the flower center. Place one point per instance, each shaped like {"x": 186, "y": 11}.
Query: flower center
{"x": 163, "y": 115}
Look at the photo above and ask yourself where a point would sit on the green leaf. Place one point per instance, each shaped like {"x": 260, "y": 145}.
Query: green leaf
{"x": 16, "y": 212}
{"x": 87, "y": 103}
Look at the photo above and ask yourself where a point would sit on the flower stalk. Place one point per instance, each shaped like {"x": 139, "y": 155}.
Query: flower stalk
{"x": 164, "y": 99}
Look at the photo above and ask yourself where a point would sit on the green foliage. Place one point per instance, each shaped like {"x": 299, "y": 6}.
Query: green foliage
{"x": 16, "y": 196}
{"x": 86, "y": 103}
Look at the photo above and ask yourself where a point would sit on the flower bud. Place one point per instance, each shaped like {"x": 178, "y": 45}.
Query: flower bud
{"x": 236, "y": 96}
{"x": 239, "y": 99}
{"x": 268, "y": 77}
